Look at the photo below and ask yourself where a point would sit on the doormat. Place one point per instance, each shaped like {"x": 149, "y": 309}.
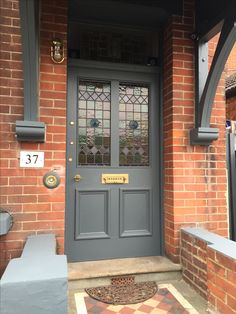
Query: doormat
{"x": 124, "y": 294}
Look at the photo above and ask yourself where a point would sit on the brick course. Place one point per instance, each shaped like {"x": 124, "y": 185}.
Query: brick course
{"x": 194, "y": 262}
{"x": 210, "y": 273}
{"x": 194, "y": 176}
{"x": 36, "y": 209}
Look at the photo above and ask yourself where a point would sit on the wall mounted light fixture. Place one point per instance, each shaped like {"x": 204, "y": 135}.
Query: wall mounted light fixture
{"x": 57, "y": 50}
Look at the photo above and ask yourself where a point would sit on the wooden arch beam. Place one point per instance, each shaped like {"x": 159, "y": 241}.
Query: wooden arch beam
{"x": 207, "y": 83}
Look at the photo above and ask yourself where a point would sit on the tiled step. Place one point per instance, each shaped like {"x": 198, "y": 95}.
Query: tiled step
{"x": 99, "y": 273}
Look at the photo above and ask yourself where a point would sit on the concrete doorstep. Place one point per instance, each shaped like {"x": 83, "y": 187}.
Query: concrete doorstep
{"x": 96, "y": 273}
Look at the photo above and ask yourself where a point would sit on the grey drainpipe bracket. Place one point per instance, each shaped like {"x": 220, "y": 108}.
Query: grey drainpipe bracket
{"x": 203, "y": 136}
{"x": 30, "y": 131}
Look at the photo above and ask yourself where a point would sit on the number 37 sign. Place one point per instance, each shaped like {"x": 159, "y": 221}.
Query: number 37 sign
{"x": 31, "y": 159}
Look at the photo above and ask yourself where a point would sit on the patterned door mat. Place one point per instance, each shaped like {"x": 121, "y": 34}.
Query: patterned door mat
{"x": 166, "y": 300}
{"x": 124, "y": 293}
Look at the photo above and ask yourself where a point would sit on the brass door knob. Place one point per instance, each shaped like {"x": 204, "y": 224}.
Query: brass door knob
{"x": 77, "y": 177}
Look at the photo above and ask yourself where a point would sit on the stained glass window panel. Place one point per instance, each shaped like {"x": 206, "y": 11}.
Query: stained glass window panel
{"x": 94, "y": 123}
{"x": 133, "y": 125}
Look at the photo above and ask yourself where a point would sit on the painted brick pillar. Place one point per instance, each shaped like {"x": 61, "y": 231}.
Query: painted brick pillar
{"x": 194, "y": 176}
{"x": 35, "y": 208}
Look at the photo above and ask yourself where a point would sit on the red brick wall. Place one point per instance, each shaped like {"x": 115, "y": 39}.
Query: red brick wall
{"x": 221, "y": 282}
{"x": 35, "y": 208}
{"x": 230, "y": 67}
{"x": 231, "y": 108}
{"x": 194, "y": 176}
{"x": 210, "y": 272}
{"x": 194, "y": 262}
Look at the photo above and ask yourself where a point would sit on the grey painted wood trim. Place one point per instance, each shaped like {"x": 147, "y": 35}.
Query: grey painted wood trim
{"x": 201, "y": 68}
{"x": 226, "y": 42}
{"x": 115, "y": 123}
{"x": 161, "y": 150}
{"x": 232, "y": 182}
{"x": 29, "y": 16}
{"x": 208, "y": 31}
{"x": 202, "y": 134}
{"x": 112, "y": 66}
{"x": 208, "y": 28}
{"x": 29, "y": 129}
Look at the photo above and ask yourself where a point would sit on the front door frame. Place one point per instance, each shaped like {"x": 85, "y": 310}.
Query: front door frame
{"x": 127, "y": 68}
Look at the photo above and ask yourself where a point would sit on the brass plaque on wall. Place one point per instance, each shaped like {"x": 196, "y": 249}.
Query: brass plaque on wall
{"x": 115, "y": 178}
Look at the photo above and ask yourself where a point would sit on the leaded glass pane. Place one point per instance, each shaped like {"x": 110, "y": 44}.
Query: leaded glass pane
{"x": 94, "y": 123}
{"x": 133, "y": 125}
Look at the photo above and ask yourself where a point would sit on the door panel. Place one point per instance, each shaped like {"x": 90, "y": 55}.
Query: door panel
{"x": 135, "y": 203}
{"x": 114, "y": 130}
{"x": 95, "y": 204}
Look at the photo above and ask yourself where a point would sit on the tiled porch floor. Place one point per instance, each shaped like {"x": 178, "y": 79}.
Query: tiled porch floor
{"x": 168, "y": 300}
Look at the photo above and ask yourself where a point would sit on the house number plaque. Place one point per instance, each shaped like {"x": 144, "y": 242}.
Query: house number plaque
{"x": 111, "y": 178}
{"x": 33, "y": 159}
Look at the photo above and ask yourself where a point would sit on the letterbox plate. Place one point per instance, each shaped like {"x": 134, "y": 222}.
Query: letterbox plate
{"x": 115, "y": 178}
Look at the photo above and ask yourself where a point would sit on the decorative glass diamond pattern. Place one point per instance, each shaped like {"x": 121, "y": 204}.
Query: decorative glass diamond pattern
{"x": 94, "y": 123}
{"x": 133, "y": 125}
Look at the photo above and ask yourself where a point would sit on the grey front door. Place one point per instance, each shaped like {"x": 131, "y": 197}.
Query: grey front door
{"x": 113, "y": 131}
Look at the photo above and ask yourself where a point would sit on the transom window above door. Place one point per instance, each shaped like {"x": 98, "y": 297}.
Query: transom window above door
{"x": 113, "y": 123}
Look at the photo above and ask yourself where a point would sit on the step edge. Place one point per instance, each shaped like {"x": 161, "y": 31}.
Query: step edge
{"x": 179, "y": 269}
{"x": 96, "y": 282}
